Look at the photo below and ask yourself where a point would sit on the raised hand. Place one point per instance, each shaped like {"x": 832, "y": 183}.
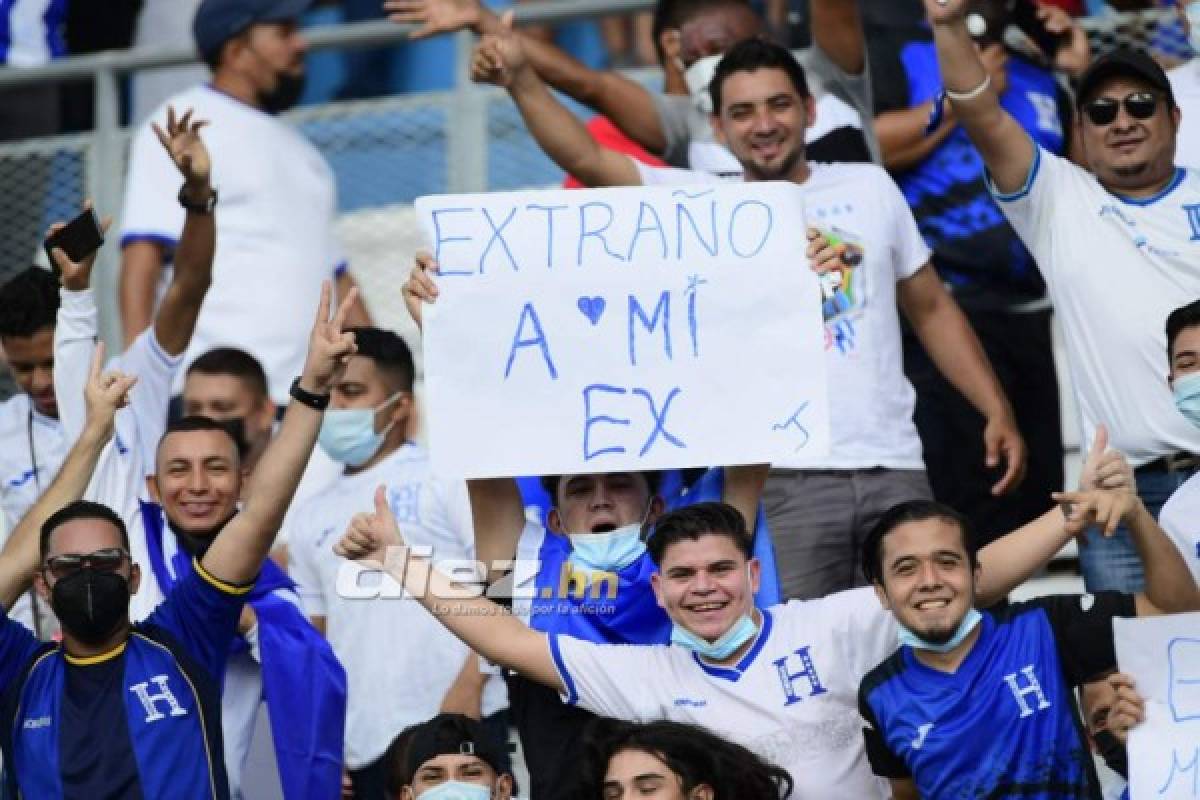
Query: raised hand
{"x": 1075, "y": 54}
{"x": 420, "y": 287}
{"x": 105, "y": 393}
{"x": 1103, "y": 508}
{"x": 330, "y": 345}
{"x": 369, "y": 537}
{"x": 1128, "y": 709}
{"x": 75, "y": 275}
{"x": 183, "y": 144}
{"x": 499, "y": 58}
{"x": 942, "y": 12}
{"x": 1104, "y": 468}
{"x": 434, "y": 16}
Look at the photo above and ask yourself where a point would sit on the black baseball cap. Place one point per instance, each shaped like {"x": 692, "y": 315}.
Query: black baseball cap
{"x": 1124, "y": 62}
{"x": 218, "y": 21}
{"x": 455, "y": 735}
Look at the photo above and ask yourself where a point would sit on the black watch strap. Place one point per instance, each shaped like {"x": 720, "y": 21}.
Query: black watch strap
{"x": 204, "y": 207}
{"x": 317, "y": 402}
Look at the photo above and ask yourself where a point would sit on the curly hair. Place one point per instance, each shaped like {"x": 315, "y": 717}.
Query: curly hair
{"x": 695, "y": 755}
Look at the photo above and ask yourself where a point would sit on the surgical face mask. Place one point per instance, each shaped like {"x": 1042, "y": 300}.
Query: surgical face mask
{"x": 348, "y": 435}
{"x": 698, "y": 76}
{"x": 607, "y": 552}
{"x": 907, "y": 637}
{"x": 456, "y": 790}
{"x": 741, "y": 632}
{"x": 1187, "y": 395}
{"x": 91, "y": 604}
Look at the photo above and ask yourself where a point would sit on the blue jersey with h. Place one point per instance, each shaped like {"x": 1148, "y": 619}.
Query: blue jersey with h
{"x": 142, "y": 720}
{"x": 1005, "y": 723}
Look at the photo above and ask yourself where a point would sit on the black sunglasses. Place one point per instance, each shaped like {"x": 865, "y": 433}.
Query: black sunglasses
{"x": 109, "y": 559}
{"x": 1139, "y": 105}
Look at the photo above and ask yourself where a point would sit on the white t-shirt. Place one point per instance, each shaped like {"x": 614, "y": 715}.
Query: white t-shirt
{"x": 1115, "y": 269}
{"x": 859, "y": 203}
{"x": 399, "y": 659}
{"x": 793, "y": 698}
{"x": 119, "y": 480}
{"x": 275, "y": 237}
{"x": 1185, "y": 84}
{"x": 32, "y": 450}
{"x": 1180, "y": 519}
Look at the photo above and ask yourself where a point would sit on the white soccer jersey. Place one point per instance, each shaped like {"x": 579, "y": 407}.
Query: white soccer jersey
{"x": 873, "y": 400}
{"x": 1115, "y": 269}
{"x": 32, "y": 450}
{"x": 793, "y": 698}
{"x": 1185, "y": 84}
{"x": 391, "y": 647}
{"x": 275, "y": 237}
{"x": 1180, "y": 519}
{"x": 120, "y": 476}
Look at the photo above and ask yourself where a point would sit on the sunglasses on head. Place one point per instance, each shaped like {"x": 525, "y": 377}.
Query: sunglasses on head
{"x": 1139, "y": 105}
{"x": 109, "y": 559}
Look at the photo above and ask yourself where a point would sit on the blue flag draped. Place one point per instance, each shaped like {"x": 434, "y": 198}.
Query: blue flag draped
{"x": 303, "y": 683}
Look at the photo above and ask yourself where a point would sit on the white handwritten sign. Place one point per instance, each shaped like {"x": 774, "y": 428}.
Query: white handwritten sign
{"x": 1163, "y": 656}
{"x": 615, "y": 329}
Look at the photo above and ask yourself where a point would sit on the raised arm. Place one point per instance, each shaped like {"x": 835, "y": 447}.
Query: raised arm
{"x": 19, "y": 559}
{"x": 176, "y": 318}
{"x": 626, "y": 102}
{"x": 500, "y": 59}
{"x": 485, "y": 627}
{"x": 1006, "y": 148}
{"x": 1170, "y": 587}
{"x": 239, "y": 549}
{"x": 837, "y": 29}
{"x": 743, "y": 489}
{"x": 955, "y": 349}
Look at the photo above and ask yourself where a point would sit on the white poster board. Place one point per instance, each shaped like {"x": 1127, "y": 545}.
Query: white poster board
{"x": 1163, "y": 656}
{"x": 620, "y": 329}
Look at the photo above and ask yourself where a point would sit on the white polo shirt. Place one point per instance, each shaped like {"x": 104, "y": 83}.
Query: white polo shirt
{"x": 1115, "y": 268}
{"x": 275, "y": 237}
{"x": 32, "y": 450}
{"x": 399, "y": 659}
{"x": 871, "y": 425}
{"x": 1180, "y": 519}
{"x": 1185, "y": 85}
{"x": 792, "y": 699}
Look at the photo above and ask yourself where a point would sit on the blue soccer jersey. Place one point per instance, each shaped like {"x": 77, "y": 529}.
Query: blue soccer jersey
{"x": 1005, "y": 723}
{"x": 140, "y": 721}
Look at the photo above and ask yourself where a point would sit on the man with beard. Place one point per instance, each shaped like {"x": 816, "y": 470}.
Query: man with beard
{"x": 1118, "y": 244}
{"x": 980, "y": 704}
{"x": 818, "y": 513}
{"x": 121, "y": 710}
{"x": 276, "y": 242}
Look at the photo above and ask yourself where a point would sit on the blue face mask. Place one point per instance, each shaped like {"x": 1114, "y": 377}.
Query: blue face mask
{"x": 1187, "y": 391}
{"x": 607, "y": 552}
{"x": 348, "y": 434}
{"x": 907, "y": 637}
{"x": 742, "y": 631}
{"x": 456, "y": 790}
{"x": 1193, "y": 17}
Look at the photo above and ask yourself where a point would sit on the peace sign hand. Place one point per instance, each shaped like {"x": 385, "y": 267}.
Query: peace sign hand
{"x": 330, "y": 346}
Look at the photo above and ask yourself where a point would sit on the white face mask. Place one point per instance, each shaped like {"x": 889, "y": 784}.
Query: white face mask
{"x": 1192, "y": 12}
{"x": 698, "y": 76}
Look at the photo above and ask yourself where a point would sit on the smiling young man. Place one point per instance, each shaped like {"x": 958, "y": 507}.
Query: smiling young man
{"x": 1118, "y": 244}
{"x": 781, "y": 681}
{"x": 819, "y": 512}
{"x": 982, "y": 704}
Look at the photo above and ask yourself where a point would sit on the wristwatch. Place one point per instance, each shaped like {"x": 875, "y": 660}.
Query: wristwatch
{"x": 204, "y": 207}
{"x": 317, "y": 402}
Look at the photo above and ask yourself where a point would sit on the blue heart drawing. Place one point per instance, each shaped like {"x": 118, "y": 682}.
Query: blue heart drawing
{"x": 592, "y": 308}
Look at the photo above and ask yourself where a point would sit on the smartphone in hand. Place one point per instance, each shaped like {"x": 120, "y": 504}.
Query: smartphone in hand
{"x": 79, "y": 239}
{"x": 1024, "y": 15}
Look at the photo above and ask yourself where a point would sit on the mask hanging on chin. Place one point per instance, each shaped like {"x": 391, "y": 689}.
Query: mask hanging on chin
{"x": 698, "y": 77}
{"x": 285, "y": 95}
{"x": 911, "y": 639}
{"x": 91, "y": 605}
{"x": 607, "y": 552}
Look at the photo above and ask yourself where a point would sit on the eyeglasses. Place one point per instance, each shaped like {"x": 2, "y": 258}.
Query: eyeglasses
{"x": 109, "y": 559}
{"x": 1139, "y": 105}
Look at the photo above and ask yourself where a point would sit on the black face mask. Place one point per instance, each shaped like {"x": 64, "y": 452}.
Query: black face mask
{"x": 196, "y": 543}
{"x": 237, "y": 431}
{"x": 286, "y": 93}
{"x": 91, "y": 605}
{"x": 1113, "y": 753}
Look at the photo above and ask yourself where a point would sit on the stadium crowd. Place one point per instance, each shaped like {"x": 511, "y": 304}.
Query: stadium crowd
{"x": 201, "y": 531}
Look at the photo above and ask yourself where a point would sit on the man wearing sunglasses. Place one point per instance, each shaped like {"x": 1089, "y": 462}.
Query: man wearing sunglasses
{"x": 122, "y": 710}
{"x": 1119, "y": 247}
